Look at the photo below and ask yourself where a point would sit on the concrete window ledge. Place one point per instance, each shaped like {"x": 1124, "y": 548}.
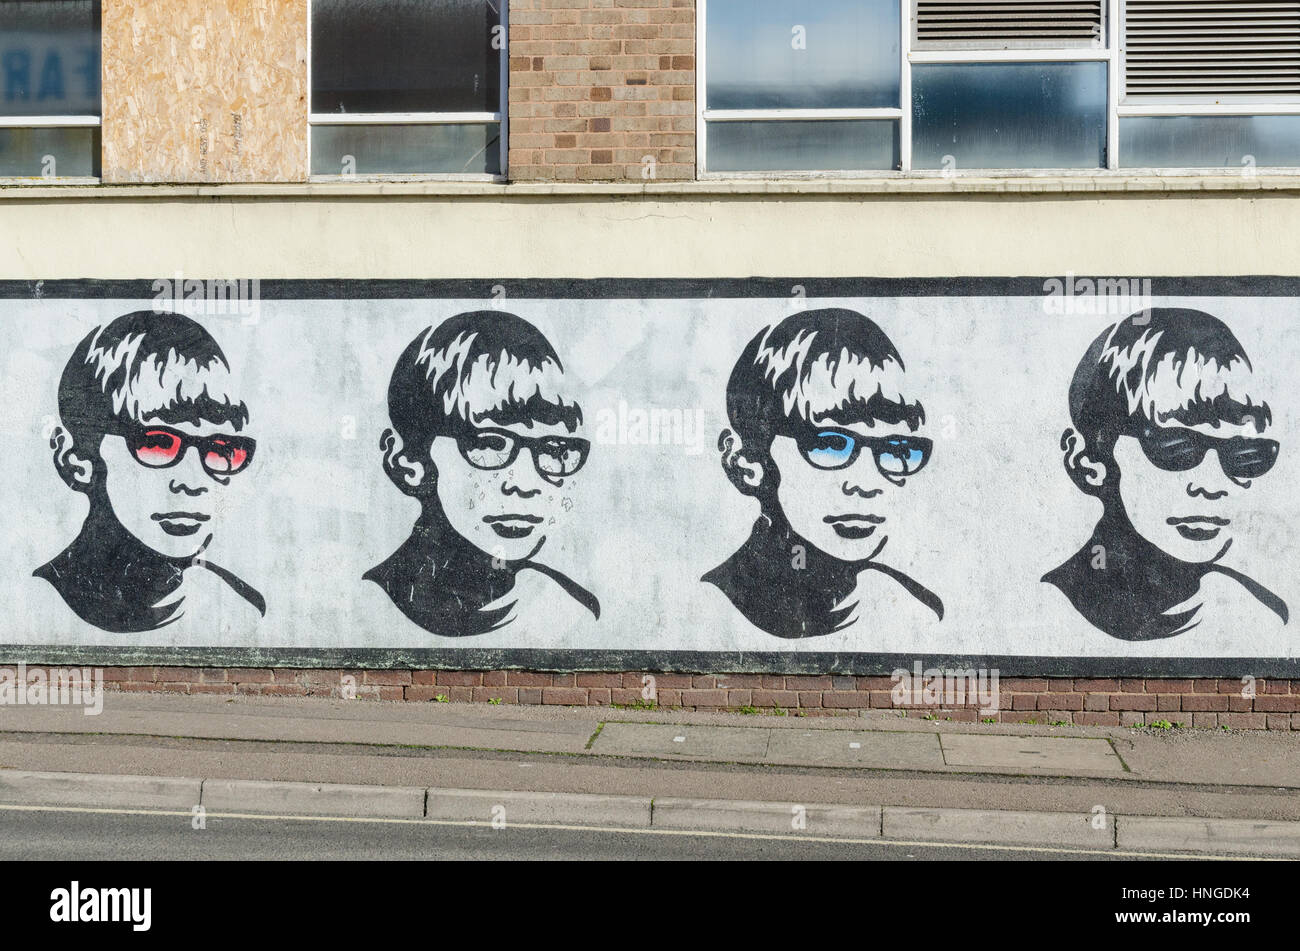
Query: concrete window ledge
{"x": 1026, "y": 185}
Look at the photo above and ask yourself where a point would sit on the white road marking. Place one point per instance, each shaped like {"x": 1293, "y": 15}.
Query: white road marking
{"x": 639, "y": 831}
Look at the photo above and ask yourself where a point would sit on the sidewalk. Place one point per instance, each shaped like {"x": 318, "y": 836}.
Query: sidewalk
{"x": 854, "y": 776}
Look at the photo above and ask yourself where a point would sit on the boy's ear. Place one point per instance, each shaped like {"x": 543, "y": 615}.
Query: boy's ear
{"x": 1088, "y": 474}
{"x": 410, "y": 475}
{"x": 76, "y": 470}
{"x": 746, "y": 474}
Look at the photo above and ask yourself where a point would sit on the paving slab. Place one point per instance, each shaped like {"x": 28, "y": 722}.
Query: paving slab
{"x": 500, "y": 808}
{"x": 1068, "y": 755}
{"x": 861, "y": 748}
{"x": 643, "y": 776}
{"x": 1266, "y": 760}
{"x": 716, "y": 743}
{"x": 317, "y": 799}
{"x": 1189, "y": 834}
{"x": 1079, "y": 830}
{"x": 98, "y": 790}
{"x": 776, "y": 818}
{"x": 330, "y": 722}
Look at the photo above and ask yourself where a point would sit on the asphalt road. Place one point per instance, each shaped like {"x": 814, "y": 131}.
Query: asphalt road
{"x": 62, "y": 834}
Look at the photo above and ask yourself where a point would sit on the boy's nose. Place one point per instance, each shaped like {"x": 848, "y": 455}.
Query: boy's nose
{"x": 190, "y": 478}
{"x": 863, "y": 478}
{"x": 1208, "y": 480}
{"x": 523, "y": 481}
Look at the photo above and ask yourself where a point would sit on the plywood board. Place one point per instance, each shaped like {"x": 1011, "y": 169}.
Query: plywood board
{"x": 205, "y": 91}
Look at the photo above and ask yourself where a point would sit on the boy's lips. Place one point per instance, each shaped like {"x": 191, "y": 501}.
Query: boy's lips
{"x": 180, "y": 523}
{"x": 854, "y": 527}
{"x": 513, "y": 525}
{"x": 1198, "y": 528}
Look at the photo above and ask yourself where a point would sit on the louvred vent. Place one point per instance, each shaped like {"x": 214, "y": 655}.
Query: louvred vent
{"x": 1210, "y": 49}
{"x": 1009, "y": 24}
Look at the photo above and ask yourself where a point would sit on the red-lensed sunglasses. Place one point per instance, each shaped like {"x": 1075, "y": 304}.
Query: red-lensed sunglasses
{"x": 159, "y": 447}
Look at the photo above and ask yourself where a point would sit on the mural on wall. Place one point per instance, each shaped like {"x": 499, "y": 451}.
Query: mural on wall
{"x": 799, "y": 400}
{"x": 1167, "y": 431}
{"x": 150, "y": 433}
{"x": 548, "y": 476}
{"x": 483, "y": 436}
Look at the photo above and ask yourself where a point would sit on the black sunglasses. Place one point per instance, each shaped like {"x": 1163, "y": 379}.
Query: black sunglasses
{"x": 895, "y": 456}
{"x": 1176, "y": 449}
{"x": 159, "y": 447}
{"x": 553, "y": 456}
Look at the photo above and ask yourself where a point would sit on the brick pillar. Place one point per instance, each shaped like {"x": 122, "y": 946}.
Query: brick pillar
{"x": 602, "y": 90}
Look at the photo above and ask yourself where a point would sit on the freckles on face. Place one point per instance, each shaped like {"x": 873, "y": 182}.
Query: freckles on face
{"x": 506, "y": 512}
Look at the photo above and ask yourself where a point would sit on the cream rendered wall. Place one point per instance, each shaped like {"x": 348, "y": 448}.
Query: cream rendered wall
{"x": 511, "y": 232}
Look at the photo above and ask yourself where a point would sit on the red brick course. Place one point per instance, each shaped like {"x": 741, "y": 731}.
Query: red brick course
{"x": 1211, "y": 702}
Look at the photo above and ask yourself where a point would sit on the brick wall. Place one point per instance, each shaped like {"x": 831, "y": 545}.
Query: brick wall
{"x": 602, "y": 90}
{"x": 1205, "y": 702}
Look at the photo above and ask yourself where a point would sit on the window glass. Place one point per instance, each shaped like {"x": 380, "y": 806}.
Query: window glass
{"x": 1209, "y": 141}
{"x": 443, "y": 148}
{"x": 44, "y": 152}
{"x": 405, "y": 55}
{"x": 792, "y": 54}
{"x": 1009, "y": 115}
{"x": 779, "y": 146}
{"x": 49, "y": 58}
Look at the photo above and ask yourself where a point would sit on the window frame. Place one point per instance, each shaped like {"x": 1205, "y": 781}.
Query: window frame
{"x": 1116, "y": 108}
{"x": 8, "y": 121}
{"x": 501, "y": 117}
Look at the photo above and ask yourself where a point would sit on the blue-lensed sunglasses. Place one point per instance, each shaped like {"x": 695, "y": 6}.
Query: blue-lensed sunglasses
{"x": 895, "y": 456}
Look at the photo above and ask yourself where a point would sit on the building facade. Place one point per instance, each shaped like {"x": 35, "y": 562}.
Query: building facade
{"x": 702, "y": 353}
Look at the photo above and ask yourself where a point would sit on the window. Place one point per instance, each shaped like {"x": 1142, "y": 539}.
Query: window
{"x": 408, "y": 87}
{"x": 798, "y": 86}
{"x": 49, "y": 89}
{"x": 1210, "y": 85}
{"x": 997, "y": 86}
{"x": 1010, "y": 84}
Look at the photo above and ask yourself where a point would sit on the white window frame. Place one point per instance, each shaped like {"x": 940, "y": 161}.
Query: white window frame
{"x": 1264, "y": 105}
{"x": 57, "y": 122}
{"x": 1116, "y": 107}
{"x": 705, "y": 115}
{"x": 501, "y": 117}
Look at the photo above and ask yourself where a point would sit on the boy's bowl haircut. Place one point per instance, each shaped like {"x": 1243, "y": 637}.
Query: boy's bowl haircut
{"x": 1162, "y": 365}
{"x": 143, "y": 367}
{"x": 815, "y": 367}
{"x": 472, "y": 368}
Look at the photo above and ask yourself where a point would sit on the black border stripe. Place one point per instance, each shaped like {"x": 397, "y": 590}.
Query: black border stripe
{"x": 568, "y": 661}
{"x": 607, "y": 288}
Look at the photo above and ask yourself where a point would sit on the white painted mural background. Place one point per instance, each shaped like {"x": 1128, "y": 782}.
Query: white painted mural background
{"x": 993, "y": 511}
